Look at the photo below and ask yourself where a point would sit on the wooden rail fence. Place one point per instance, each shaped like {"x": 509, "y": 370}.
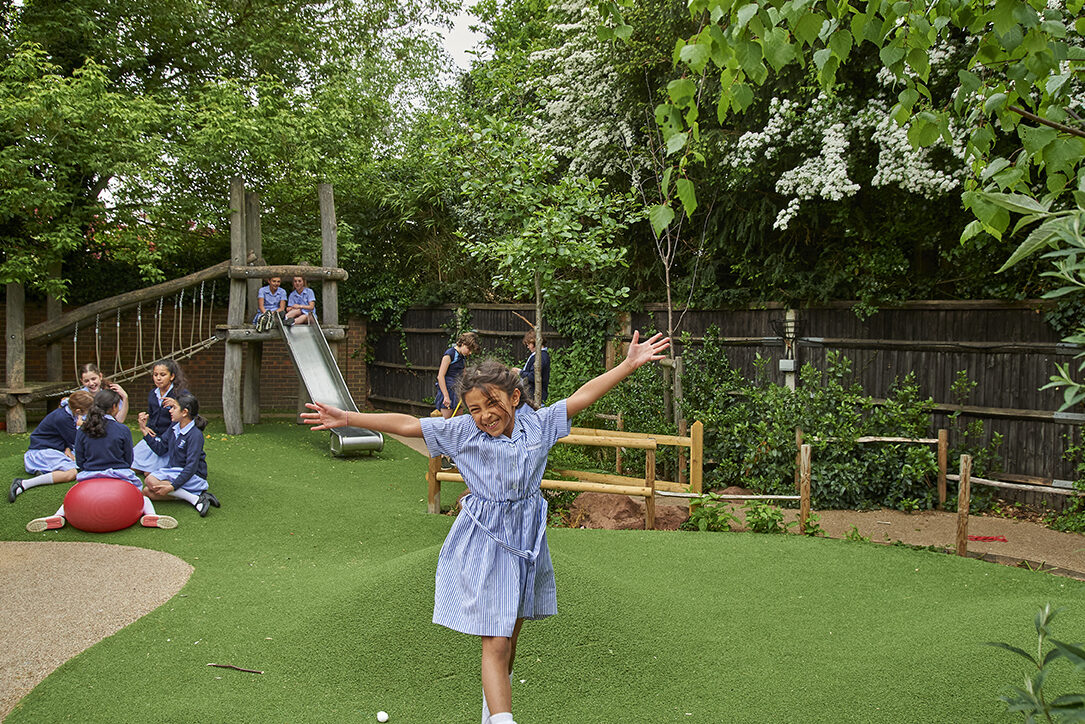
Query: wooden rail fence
{"x": 592, "y": 482}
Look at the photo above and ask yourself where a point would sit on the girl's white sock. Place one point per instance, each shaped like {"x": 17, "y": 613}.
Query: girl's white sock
{"x": 503, "y": 717}
{"x": 46, "y": 479}
{"x": 182, "y": 494}
{"x": 148, "y": 506}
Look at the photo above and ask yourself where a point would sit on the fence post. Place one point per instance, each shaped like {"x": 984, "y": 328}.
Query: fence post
{"x": 798, "y": 456}
{"x": 618, "y": 450}
{"x": 943, "y": 462}
{"x": 963, "y": 499}
{"x": 650, "y": 483}
{"x": 804, "y": 487}
{"x": 683, "y": 472}
{"x": 433, "y": 485}
{"x": 696, "y": 457}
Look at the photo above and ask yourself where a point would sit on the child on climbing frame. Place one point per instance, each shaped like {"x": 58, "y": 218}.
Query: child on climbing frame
{"x": 301, "y": 304}
{"x": 185, "y": 475}
{"x": 270, "y": 300}
{"x": 494, "y": 569}
{"x": 51, "y": 457}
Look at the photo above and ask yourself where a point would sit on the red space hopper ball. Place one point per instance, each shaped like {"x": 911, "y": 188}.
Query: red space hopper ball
{"x": 101, "y": 505}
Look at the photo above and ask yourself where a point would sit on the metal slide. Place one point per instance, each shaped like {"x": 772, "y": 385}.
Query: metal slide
{"x": 324, "y": 382}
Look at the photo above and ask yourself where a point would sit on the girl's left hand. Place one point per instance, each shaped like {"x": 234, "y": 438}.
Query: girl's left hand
{"x": 650, "y": 350}
{"x": 163, "y": 488}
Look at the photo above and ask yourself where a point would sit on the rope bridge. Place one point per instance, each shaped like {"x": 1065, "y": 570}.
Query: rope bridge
{"x": 172, "y": 319}
{"x": 176, "y": 346}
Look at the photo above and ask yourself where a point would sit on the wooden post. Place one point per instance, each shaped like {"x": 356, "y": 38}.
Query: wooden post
{"x": 54, "y": 353}
{"x": 679, "y": 370}
{"x": 433, "y": 485}
{"x": 650, "y": 483}
{"x": 683, "y": 430}
{"x": 235, "y": 316}
{"x": 696, "y": 457}
{"x": 618, "y": 450}
{"x": 804, "y": 487}
{"x": 15, "y": 363}
{"x": 798, "y": 456}
{"x": 943, "y": 462}
{"x": 254, "y": 352}
{"x": 964, "y": 495}
{"x": 329, "y": 311}
{"x": 329, "y": 257}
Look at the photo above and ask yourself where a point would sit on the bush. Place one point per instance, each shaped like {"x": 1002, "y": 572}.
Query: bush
{"x": 750, "y": 432}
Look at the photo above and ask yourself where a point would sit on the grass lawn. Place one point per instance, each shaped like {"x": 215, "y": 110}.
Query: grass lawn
{"x": 319, "y": 572}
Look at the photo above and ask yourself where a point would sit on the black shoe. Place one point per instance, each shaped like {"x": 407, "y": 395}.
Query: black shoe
{"x": 203, "y": 504}
{"x": 15, "y": 489}
{"x": 211, "y": 496}
{"x": 446, "y": 464}
{"x": 288, "y": 322}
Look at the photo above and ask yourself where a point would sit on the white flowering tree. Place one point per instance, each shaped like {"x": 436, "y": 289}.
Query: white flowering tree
{"x": 1023, "y": 80}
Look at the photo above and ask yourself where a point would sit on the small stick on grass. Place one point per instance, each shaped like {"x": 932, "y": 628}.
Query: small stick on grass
{"x": 236, "y": 668}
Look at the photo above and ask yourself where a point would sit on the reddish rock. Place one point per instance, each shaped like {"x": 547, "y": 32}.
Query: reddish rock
{"x": 734, "y": 490}
{"x": 622, "y": 512}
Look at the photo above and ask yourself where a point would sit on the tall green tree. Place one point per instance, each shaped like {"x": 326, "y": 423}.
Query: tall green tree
{"x": 121, "y": 121}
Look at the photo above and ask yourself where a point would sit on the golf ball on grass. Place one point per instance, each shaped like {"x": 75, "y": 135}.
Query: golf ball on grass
{"x": 382, "y": 716}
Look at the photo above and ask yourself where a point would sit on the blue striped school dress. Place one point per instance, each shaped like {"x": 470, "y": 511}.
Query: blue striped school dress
{"x": 494, "y": 566}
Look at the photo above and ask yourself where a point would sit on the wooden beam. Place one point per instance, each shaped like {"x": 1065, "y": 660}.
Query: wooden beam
{"x": 1016, "y": 486}
{"x": 15, "y": 362}
{"x": 608, "y": 441}
{"x": 964, "y": 493}
{"x": 288, "y": 271}
{"x": 248, "y": 333}
{"x": 677, "y": 440}
{"x": 53, "y": 329}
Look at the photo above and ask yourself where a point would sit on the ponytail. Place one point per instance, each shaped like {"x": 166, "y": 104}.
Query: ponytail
{"x": 104, "y": 401}
{"x": 187, "y": 401}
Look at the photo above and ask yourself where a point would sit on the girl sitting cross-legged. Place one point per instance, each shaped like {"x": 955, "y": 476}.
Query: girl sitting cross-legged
{"x": 51, "y": 458}
{"x": 185, "y": 477}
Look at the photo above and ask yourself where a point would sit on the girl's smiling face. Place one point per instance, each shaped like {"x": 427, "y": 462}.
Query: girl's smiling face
{"x": 493, "y": 409}
{"x": 92, "y": 381}
{"x": 299, "y": 283}
{"x": 162, "y": 377}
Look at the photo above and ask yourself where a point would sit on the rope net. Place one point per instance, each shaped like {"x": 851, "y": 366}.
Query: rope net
{"x": 151, "y": 345}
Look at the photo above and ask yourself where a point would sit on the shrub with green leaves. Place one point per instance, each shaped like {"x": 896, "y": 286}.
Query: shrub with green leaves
{"x": 750, "y": 432}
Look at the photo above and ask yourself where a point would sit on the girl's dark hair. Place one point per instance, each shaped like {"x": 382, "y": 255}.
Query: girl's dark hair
{"x": 187, "y": 401}
{"x": 491, "y": 373}
{"x": 179, "y": 381}
{"x": 104, "y": 401}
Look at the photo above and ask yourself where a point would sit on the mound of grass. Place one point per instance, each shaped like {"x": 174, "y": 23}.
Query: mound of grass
{"x": 319, "y": 572}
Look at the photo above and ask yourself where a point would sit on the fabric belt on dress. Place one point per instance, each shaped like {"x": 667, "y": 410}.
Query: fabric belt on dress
{"x": 529, "y": 556}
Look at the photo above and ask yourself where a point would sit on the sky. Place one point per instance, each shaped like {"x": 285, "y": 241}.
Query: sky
{"x": 460, "y": 39}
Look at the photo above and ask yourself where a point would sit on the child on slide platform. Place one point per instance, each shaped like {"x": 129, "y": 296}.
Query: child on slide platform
{"x": 494, "y": 569}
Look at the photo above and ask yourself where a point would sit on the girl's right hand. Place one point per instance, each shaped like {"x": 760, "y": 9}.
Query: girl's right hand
{"x": 143, "y": 417}
{"x": 325, "y": 417}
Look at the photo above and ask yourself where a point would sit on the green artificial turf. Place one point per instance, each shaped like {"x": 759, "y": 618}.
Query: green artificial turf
{"x": 319, "y": 572}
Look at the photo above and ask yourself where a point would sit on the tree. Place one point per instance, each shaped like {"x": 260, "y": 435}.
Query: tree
{"x": 1024, "y": 76}
{"x": 549, "y": 236}
{"x": 122, "y": 121}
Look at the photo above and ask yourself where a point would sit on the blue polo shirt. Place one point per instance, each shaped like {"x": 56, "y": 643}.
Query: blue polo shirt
{"x": 271, "y": 301}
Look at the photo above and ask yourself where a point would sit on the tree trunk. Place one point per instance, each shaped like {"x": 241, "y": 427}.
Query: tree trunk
{"x": 538, "y": 337}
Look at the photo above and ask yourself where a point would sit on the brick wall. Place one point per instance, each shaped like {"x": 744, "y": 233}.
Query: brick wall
{"x": 278, "y": 380}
